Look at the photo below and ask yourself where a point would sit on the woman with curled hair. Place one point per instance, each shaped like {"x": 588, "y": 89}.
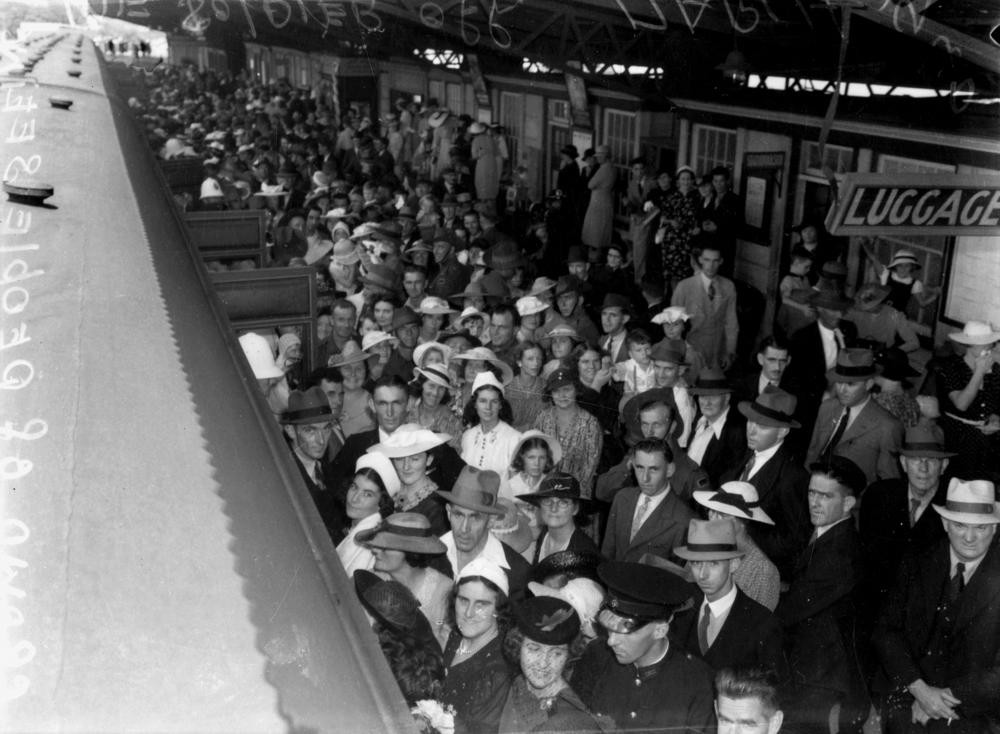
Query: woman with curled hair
{"x": 545, "y": 642}
{"x": 432, "y": 387}
{"x": 490, "y": 440}
{"x": 369, "y": 499}
{"x": 478, "y": 676}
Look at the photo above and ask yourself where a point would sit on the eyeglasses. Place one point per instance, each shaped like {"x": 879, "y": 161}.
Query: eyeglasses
{"x": 556, "y": 503}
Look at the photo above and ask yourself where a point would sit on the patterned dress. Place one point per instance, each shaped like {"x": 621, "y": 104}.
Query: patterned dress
{"x": 581, "y": 445}
{"x": 525, "y": 397}
{"x": 675, "y": 242}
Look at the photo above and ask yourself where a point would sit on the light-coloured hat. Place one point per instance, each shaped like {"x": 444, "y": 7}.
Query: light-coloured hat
{"x": 739, "y": 499}
{"x": 382, "y": 466}
{"x": 583, "y": 594}
{"x": 530, "y": 305}
{"x": 438, "y": 118}
{"x": 345, "y": 253}
{"x": 259, "y": 355}
{"x": 486, "y": 379}
{"x": 977, "y": 333}
{"x": 559, "y": 328}
{"x": 554, "y": 446}
{"x": 436, "y": 306}
{"x": 477, "y": 128}
{"x": 374, "y": 338}
{"x": 470, "y": 312}
{"x": 904, "y": 257}
{"x": 512, "y": 528}
{"x": 438, "y": 374}
{"x": 338, "y": 212}
{"x": 542, "y": 284}
{"x": 488, "y": 570}
{"x": 709, "y": 540}
{"x": 210, "y": 189}
{"x": 351, "y": 354}
{"x": 671, "y": 315}
{"x": 487, "y": 355}
{"x": 422, "y": 349}
{"x": 409, "y": 439}
{"x": 476, "y": 490}
{"x": 971, "y": 502}
{"x": 272, "y": 190}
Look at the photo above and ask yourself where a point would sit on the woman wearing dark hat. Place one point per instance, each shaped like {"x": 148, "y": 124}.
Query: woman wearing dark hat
{"x": 891, "y": 385}
{"x": 969, "y": 395}
{"x": 558, "y": 501}
{"x": 403, "y": 546}
{"x": 545, "y": 640}
{"x": 577, "y": 431}
{"x": 404, "y": 636}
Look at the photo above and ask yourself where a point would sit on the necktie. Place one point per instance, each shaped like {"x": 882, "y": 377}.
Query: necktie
{"x": 838, "y": 433}
{"x": 957, "y": 584}
{"x": 318, "y": 478}
{"x": 745, "y": 474}
{"x": 706, "y": 618}
{"x": 711, "y": 291}
{"x": 640, "y": 516}
{"x": 914, "y": 506}
{"x": 839, "y": 338}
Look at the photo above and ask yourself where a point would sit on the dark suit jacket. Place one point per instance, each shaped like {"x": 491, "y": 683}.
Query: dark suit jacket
{"x": 751, "y": 636}
{"x": 807, "y": 372}
{"x": 726, "y": 451}
{"x": 782, "y": 485}
{"x": 688, "y": 478}
{"x": 747, "y": 386}
{"x": 444, "y": 470}
{"x": 329, "y": 501}
{"x": 818, "y": 613}
{"x": 578, "y": 541}
{"x": 970, "y": 666}
{"x": 872, "y": 440}
{"x": 886, "y": 535}
{"x": 664, "y": 529}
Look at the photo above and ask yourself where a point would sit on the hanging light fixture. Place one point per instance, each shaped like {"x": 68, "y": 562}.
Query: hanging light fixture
{"x": 735, "y": 68}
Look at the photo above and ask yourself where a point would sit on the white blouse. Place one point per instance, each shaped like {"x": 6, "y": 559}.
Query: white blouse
{"x": 493, "y": 450}
{"x": 354, "y": 556}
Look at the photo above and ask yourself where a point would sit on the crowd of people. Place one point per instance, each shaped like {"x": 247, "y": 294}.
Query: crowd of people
{"x": 570, "y": 496}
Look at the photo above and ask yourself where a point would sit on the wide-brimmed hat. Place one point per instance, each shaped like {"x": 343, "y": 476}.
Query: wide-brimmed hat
{"x": 381, "y": 465}
{"x": 853, "y": 365}
{"x": 529, "y": 305}
{"x": 352, "y": 353}
{"x": 568, "y": 284}
{"x": 477, "y": 128}
{"x": 421, "y": 351}
{"x": 486, "y": 354}
{"x": 709, "y": 540}
{"x": 829, "y": 298}
{"x": 471, "y": 312}
{"x": 571, "y": 151}
{"x": 486, "y": 379}
{"x": 926, "y": 441}
{"x": 436, "y": 373}
{"x": 773, "y": 407}
{"x": 870, "y": 296}
{"x": 308, "y": 406}
{"x": 641, "y": 592}
{"x": 711, "y": 381}
{"x": 739, "y": 499}
{"x": 374, "y": 338}
{"x": 380, "y": 276}
{"x": 583, "y": 594}
{"x": 971, "y": 502}
{"x": 404, "y": 316}
{"x": 259, "y": 355}
{"x": 617, "y": 300}
{"x": 895, "y": 365}
{"x": 541, "y": 284}
{"x": 476, "y": 490}
{"x": 392, "y": 604}
{"x": 671, "y": 315}
{"x": 409, "y": 439}
{"x": 512, "y": 528}
{"x": 435, "y": 306}
{"x": 549, "y": 620}
{"x": 555, "y": 448}
{"x": 559, "y": 485}
{"x": 557, "y": 329}
{"x": 494, "y": 287}
{"x": 669, "y": 350}
{"x": 271, "y": 191}
{"x": 904, "y": 257}
{"x": 437, "y": 118}
{"x": 409, "y": 532}
{"x": 569, "y": 564}
{"x": 504, "y": 256}
{"x": 975, "y": 333}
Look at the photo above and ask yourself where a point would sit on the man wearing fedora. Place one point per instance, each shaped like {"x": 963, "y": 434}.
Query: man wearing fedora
{"x": 718, "y": 443}
{"x": 778, "y": 476}
{"x": 669, "y": 363}
{"x": 710, "y": 299}
{"x": 649, "y": 517}
{"x": 472, "y": 501}
{"x": 819, "y": 612}
{"x": 569, "y": 302}
{"x": 853, "y": 425}
{"x": 406, "y": 329}
{"x": 451, "y": 275}
{"x": 639, "y": 678}
{"x": 308, "y": 424}
{"x": 938, "y": 639}
{"x": 725, "y": 627}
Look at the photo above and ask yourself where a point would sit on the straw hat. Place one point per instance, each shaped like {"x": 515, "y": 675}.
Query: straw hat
{"x": 487, "y": 355}
{"x": 392, "y": 604}
{"x": 421, "y": 351}
{"x": 554, "y": 446}
{"x": 470, "y": 312}
{"x": 739, "y": 499}
{"x": 381, "y": 465}
{"x": 409, "y": 439}
{"x": 437, "y": 374}
{"x": 557, "y": 329}
{"x": 970, "y": 502}
{"x": 477, "y": 128}
{"x": 512, "y": 528}
{"x": 975, "y": 333}
{"x": 409, "y": 532}
{"x": 374, "y": 338}
{"x": 351, "y": 354}
{"x": 436, "y": 306}
{"x": 709, "y": 540}
{"x": 529, "y": 305}
{"x": 476, "y": 490}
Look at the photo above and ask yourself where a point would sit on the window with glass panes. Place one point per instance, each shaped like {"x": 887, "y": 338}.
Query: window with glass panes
{"x": 713, "y": 146}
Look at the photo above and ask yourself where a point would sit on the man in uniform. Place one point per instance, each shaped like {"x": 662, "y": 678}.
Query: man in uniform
{"x": 638, "y": 678}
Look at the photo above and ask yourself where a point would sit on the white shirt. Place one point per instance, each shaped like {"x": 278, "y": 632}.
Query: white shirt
{"x": 492, "y": 551}
{"x": 970, "y": 566}
{"x": 493, "y": 450}
{"x": 703, "y": 435}
{"x": 830, "y": 345}
{"x": 762, "y": 457}
{"x": 686, "y": 409}
{"x": 720, "y": 612}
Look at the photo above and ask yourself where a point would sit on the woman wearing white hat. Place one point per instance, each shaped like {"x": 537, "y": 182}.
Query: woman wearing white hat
{"x": 369, "y": 499}
{"x": 489, "y": 441}
{"x": 969, "y": 395}
{"x": 431, "y": 389}
{"x": 409, "y": 449}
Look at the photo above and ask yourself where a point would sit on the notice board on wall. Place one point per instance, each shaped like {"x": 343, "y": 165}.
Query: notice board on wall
{"x": 972, "y": 293}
